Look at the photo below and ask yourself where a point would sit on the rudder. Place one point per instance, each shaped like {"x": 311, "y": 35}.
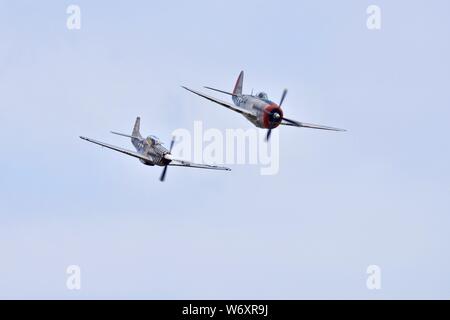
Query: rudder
{"x": 239, "y": 82}
{"x": 237, "y": 91}
{"x": 136, "y": 129}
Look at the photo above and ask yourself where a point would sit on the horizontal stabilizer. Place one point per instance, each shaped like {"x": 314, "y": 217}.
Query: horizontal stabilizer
{"x": 221, "y": 91}
{"x": 126, "y": 135}
{"x": 222, "y": 103}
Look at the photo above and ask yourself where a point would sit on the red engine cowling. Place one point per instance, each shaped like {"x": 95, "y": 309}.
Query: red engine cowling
{"x": 271, "y": 116}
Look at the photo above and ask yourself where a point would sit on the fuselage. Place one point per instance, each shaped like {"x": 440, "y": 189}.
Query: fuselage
{"x": 152, "y": 148}
{"x": 267, "y": 113}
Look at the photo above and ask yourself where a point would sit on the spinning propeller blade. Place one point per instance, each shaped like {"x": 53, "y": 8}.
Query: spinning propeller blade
{"x": 163, "y": 174}
{"x": 283, "y": 95}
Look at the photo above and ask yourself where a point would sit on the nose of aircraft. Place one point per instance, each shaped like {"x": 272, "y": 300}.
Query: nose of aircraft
{"x": 272, "y": 116}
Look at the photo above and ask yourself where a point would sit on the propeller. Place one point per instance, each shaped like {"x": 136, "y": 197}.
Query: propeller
{"x": 163, "y": 174}
{"x": 276, "y": 115}
{"x": 283, "y": 96}
{"x": 269, "y": 132}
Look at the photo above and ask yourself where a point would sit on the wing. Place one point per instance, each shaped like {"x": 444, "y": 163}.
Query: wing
{"x": 222, "y": 103}
{"x": 184, "y": 163}
{"x": 127, "y": 152}
{"x": 288, "y": 122}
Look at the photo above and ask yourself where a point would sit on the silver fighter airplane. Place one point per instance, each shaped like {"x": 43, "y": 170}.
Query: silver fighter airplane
{"x": 258, "y": 109}
{"x": 151, "y": 152}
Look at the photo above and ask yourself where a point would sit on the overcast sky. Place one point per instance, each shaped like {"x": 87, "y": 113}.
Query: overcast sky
{"x": 375, "y": 195}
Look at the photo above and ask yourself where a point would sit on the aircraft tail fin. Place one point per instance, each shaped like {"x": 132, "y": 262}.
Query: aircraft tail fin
{"x": 237, "y": 91}
{"x": 137, "y": 125}
{"x": 238, "y": 86}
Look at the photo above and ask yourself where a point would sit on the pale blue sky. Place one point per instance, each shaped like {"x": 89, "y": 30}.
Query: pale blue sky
{"x": 378, "y": 194}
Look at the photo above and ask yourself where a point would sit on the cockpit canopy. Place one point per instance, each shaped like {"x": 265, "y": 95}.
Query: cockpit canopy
{"x": 262, "y": 95}
{"x": 153, "y": 140}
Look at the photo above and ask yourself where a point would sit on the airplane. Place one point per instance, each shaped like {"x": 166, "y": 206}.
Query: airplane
{"x": 150, "y": 151}
{"x": 258, "y": 109}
